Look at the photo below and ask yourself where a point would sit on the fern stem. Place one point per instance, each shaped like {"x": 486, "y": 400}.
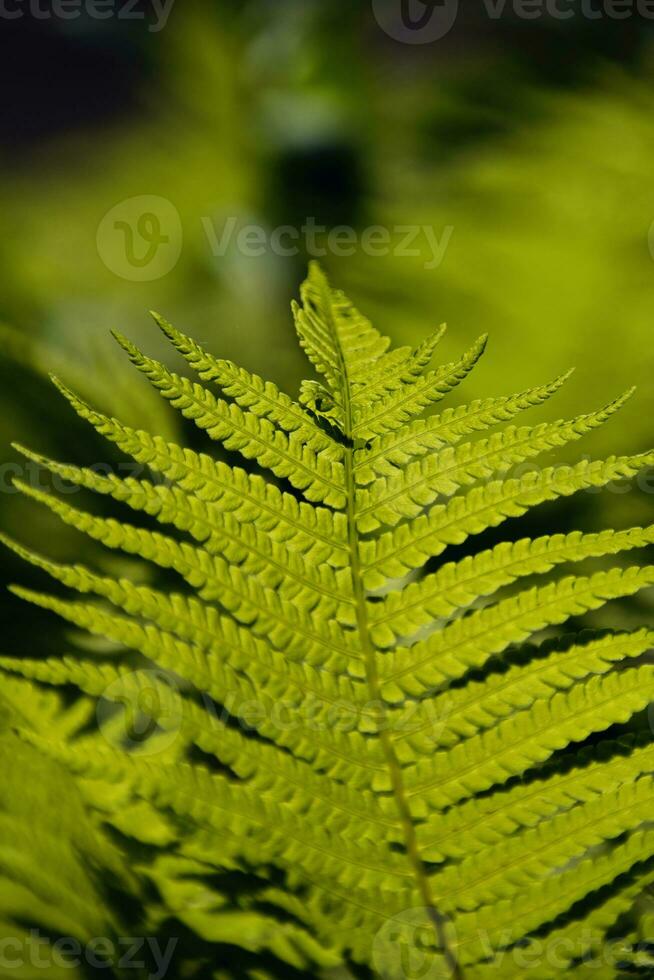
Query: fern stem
{"x": 397, "y": 782}
{"x": 372, "y": 676}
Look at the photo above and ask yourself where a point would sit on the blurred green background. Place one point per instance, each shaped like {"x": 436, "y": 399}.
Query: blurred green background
{"x": 525, "y": 148}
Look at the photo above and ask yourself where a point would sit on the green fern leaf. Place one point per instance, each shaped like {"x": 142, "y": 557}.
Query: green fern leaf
{"x": 423, "y": 436}
{"x": 412, "y": 742}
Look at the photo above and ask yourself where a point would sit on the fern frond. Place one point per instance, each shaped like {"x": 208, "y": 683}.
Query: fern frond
{"x": 281, "y": 624}
{"x": 230, "y": 807}
{"x": 470, "y": 642}
{"x": 395, "y": 553}
{"x": 387, "y": 454}
{"x": 580, "y": 944}
{"x": 289, "y": 574}
{"x": 250, "y": 392}
{"x": 460, "y": 584}
{"x": 249, "y": 434}
{"x": 332, "y": 805}
{"x": 388, "y": 500}
{"x": 480, "y": 704}
{"x": 530, "y": 737}
{"x": 340, "y": 343}
{"x": 396, "y": 369}
{"x": 53, "y": 852}
{"x": 483, "y": 822}
{"x": 414, "y": 396}
{"x": 510, "y": 919}
{"x": 246, "y": 498}
{"x": 408, "y": 748}
{"x": 341, "y": 754}
{"x": 504, "y": 871}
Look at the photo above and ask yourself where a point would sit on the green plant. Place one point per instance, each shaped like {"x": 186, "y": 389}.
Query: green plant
{"x": 378, "y": 749}
{"x": 55, "y": 865}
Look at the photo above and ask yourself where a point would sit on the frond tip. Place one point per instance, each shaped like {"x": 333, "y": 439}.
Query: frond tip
{"x": 388, "y": 733}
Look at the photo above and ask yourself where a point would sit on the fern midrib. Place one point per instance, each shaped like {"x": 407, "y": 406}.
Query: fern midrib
{"x": 372, "y": 677}
{"x": 247, "y": 811}
{"x": 251, "y": 594}
{"x": 202, "y": 627}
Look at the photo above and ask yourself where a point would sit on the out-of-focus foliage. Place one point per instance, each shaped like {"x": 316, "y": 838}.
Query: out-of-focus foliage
{"x": 56, "y": 866}
{"x": 189, "y": 145}
{"x": 549, "y": 247}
